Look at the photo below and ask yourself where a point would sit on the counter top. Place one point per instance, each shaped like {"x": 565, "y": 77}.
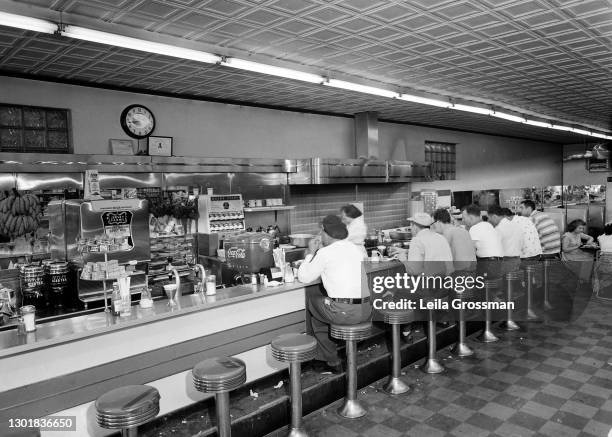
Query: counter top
{"x": 89, "y": 325}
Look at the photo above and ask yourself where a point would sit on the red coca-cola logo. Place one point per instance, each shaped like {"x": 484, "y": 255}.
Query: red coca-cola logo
{"x": 236, "y": 252}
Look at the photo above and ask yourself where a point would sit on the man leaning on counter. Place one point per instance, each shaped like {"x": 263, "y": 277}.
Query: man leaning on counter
{"x": 338, "y": 262}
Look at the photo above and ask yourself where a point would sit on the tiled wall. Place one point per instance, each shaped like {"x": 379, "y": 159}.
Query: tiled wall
{"x": 386, "y": 205}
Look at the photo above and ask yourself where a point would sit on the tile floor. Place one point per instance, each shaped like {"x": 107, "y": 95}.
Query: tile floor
{"x": 551, "y": 379}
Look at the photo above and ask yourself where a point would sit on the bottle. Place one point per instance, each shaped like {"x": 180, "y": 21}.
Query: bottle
{"x": 116, "y": 300}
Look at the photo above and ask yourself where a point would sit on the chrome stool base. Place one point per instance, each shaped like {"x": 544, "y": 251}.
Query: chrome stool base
{"x": 396, "y": 386}
{"x": 297, "y": 432}
{"x": 509, "y": 325}
{"x": 352, "y": 409}
{"x": 487, "y": 336}
{"x": 462, "y": 350}
{"x": 432, "y": 366}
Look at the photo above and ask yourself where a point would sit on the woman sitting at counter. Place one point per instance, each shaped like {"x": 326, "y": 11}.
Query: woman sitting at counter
{"x": 579, "y": 261}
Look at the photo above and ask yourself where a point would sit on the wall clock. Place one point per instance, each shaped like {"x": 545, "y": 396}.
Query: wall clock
{"x": 137, "y": 121}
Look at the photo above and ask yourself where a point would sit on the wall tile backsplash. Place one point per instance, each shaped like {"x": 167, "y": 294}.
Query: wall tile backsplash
{"x": 386, "y": 205}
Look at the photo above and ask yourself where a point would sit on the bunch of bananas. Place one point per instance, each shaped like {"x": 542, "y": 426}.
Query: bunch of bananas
{"x": 19, "y": 213}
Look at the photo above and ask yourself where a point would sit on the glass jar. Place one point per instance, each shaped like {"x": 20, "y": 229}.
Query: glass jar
{"x": 27, "y": 314}
{"x": 32, "y": 284}
{"x": 211, "y": 285}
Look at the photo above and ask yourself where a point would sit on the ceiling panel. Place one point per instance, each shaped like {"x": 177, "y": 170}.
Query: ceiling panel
{"x": 553, "y": 57}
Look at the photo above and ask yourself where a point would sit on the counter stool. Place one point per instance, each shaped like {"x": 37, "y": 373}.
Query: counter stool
{"x": 351, "y": 409}
{"x": 431, "y": 364}
{"x": 295, "y": 349}
{"x": 487, "y": 335}
{"x": 395, "y": 385}
{"x": 220, "y": 375}
{"x": 547, "y": 264}
{"x": 461, "y": 349}
{"x": 533, "y": 273}
{"x": 127, "y": 407}
{"x": 513, "y": 279}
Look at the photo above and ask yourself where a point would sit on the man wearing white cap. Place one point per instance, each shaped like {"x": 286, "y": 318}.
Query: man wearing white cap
{"x": 429, "y": 251}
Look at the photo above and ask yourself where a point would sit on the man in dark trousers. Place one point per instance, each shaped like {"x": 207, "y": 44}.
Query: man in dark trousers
{"x": 338, "y": 263}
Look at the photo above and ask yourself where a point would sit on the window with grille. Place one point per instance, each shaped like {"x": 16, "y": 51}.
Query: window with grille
{"x": 442, "y": 157}
{"x": 34, "y": 129}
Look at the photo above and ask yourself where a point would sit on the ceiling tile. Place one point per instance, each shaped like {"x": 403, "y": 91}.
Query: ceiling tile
{"x": 392, "y": 13}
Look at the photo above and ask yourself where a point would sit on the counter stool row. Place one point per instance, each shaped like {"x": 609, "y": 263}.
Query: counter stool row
{"x": 127, "y": 407}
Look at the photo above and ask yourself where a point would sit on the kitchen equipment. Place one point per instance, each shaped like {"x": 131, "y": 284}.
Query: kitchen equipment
{"x": 32, "y": 284}
{"x": 376, "y": 256}
{"x": 301, "y": 240}
{"x": 249, "y": 252}
{"x": 56, "y": 281}
{"x": 221, "y": 213}
{"x": 399, "y": 235}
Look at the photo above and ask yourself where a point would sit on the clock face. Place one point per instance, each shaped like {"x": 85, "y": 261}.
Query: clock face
{"x": 137, "y": 121}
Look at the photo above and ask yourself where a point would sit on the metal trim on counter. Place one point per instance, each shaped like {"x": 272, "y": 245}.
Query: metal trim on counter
{"x": 77, "y": 328}
{"x": 222, "y": 165}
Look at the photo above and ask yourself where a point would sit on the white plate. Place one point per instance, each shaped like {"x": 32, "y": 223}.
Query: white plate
{"x": 286, "y": 246}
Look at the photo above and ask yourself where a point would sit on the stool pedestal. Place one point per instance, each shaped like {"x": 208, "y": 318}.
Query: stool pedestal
{"x": 220, "y": 375}
{"x": 352, "y": 408}
{"x": 487, "y": 335}
{"x": 295, "y": 349}
{"x": 547, "y": 265}
{"x": 532, "y": 271}
{"x": 461, "y": 349}
{"x": 432, "y": 365}
{"x": 395, "y": 385}
{"x": 512, "y": 279}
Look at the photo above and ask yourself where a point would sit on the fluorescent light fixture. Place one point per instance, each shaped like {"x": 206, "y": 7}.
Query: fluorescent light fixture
{"x": 139, "y": 44}
{"x": 538, "y": 123}
{"x": 598, "y": 135}
{"x": 272, "y": 70}
{"x": 510, "y": 117}
{"x": 565, "y": 128}
{"x": 425, "y": 100}
{"x": 27, "y": 23}
{"x": 360, "y": 88}
{"x": 582, "y": 132}
{"x": 473, "y": 109}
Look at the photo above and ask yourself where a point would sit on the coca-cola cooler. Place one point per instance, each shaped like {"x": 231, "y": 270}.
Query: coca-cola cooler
{"x": 249, "y": 252}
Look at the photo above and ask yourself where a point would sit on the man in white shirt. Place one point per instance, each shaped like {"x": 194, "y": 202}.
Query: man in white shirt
{"x": 429, "y": 252}
{"x": 338, "y": 263}
{"x": 531, "y": 250}
{"x": 489, "y": 251}
{"x": 511, "y": 235}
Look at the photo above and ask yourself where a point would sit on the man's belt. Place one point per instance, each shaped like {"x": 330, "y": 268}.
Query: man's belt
{"x": 512, "y": 257}
{"x": 489, "y": 257}
{"x": 352, "y": 301}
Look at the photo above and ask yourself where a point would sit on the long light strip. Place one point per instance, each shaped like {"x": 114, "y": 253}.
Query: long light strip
{"x": 425, "y": 101}
{"x": 509, "y": 117}
{"x": 472, "y": 109}
{"x": 272, "y": 70}
{"x": 139, "y": 44}
{"x": 45, "y": 26}
{"x": 335, "y": 83}
{"x": 27, "y": 23}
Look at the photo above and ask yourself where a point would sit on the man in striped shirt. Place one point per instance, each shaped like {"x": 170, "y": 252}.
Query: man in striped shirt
{"x": 550, "y": 237}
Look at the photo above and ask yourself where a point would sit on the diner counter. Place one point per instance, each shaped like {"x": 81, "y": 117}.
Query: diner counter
{"x": 64, "y": 365}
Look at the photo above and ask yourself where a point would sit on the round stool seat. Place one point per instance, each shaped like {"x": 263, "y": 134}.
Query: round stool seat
{"x": 358, "y": 331}
{"x": 515, "y": 275}
{"x": 219, "y": 374}
{"x": 127, "y": 406}
{"x": 294, "y": 347}
{"x": 398, "y": 317}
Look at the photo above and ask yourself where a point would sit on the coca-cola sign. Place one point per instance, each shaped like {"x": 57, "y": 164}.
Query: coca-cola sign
{"x": 236, "y": 252}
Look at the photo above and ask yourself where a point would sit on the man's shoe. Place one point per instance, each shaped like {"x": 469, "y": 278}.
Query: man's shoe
{"x": 324, "y": 367}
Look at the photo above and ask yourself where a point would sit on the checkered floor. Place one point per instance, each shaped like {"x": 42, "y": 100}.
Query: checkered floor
{"x": 551, "y": 379}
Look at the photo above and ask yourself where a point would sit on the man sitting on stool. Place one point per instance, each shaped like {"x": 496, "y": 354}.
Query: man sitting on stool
{"x": 338, "y": 263}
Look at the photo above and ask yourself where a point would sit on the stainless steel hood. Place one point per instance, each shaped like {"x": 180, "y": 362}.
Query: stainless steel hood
{"x": 317, "y": 171}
